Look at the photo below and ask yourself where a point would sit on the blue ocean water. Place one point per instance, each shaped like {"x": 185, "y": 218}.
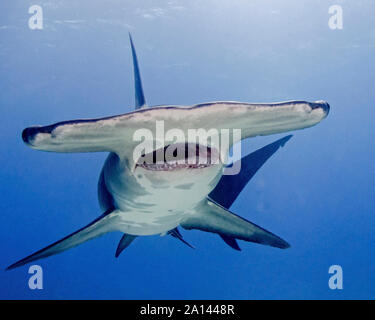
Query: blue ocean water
{"x": 317, "y": 192}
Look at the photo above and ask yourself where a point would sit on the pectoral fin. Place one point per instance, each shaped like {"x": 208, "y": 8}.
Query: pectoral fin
{"x": 211, "y": 217}
{"x": 230, "y": 186}
{"x": 98, "y": 227}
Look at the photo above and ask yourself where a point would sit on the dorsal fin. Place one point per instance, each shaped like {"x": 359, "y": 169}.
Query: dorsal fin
{"x": 139, "y": 96}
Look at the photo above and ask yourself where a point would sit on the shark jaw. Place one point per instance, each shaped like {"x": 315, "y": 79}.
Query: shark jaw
{"x": 179, "y": 156}
{"x": 183, "y": 173}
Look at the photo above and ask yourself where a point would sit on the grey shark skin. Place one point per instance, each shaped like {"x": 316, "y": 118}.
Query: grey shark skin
{"x": 147, "y": 200}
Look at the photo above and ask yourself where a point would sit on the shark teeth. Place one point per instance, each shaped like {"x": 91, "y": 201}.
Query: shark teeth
{"x": 190, "y": 156}
{"x": 165, "y": 166}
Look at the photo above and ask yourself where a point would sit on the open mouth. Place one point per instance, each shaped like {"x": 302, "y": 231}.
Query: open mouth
{"x": 179, "y": 156}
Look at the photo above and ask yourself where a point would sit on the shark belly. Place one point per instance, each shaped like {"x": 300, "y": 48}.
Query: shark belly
{"x": 149, "y": 203}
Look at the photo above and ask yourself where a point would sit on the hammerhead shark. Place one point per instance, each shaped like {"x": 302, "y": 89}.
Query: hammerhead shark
{"x": 157, "y": 197}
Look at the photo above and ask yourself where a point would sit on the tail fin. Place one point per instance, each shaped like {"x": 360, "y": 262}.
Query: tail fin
{"x": 230, "y": 186}
{"x": 139, "y": 96}
{"x": 211, "y": 217}
{"x": 98, "y": 227}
